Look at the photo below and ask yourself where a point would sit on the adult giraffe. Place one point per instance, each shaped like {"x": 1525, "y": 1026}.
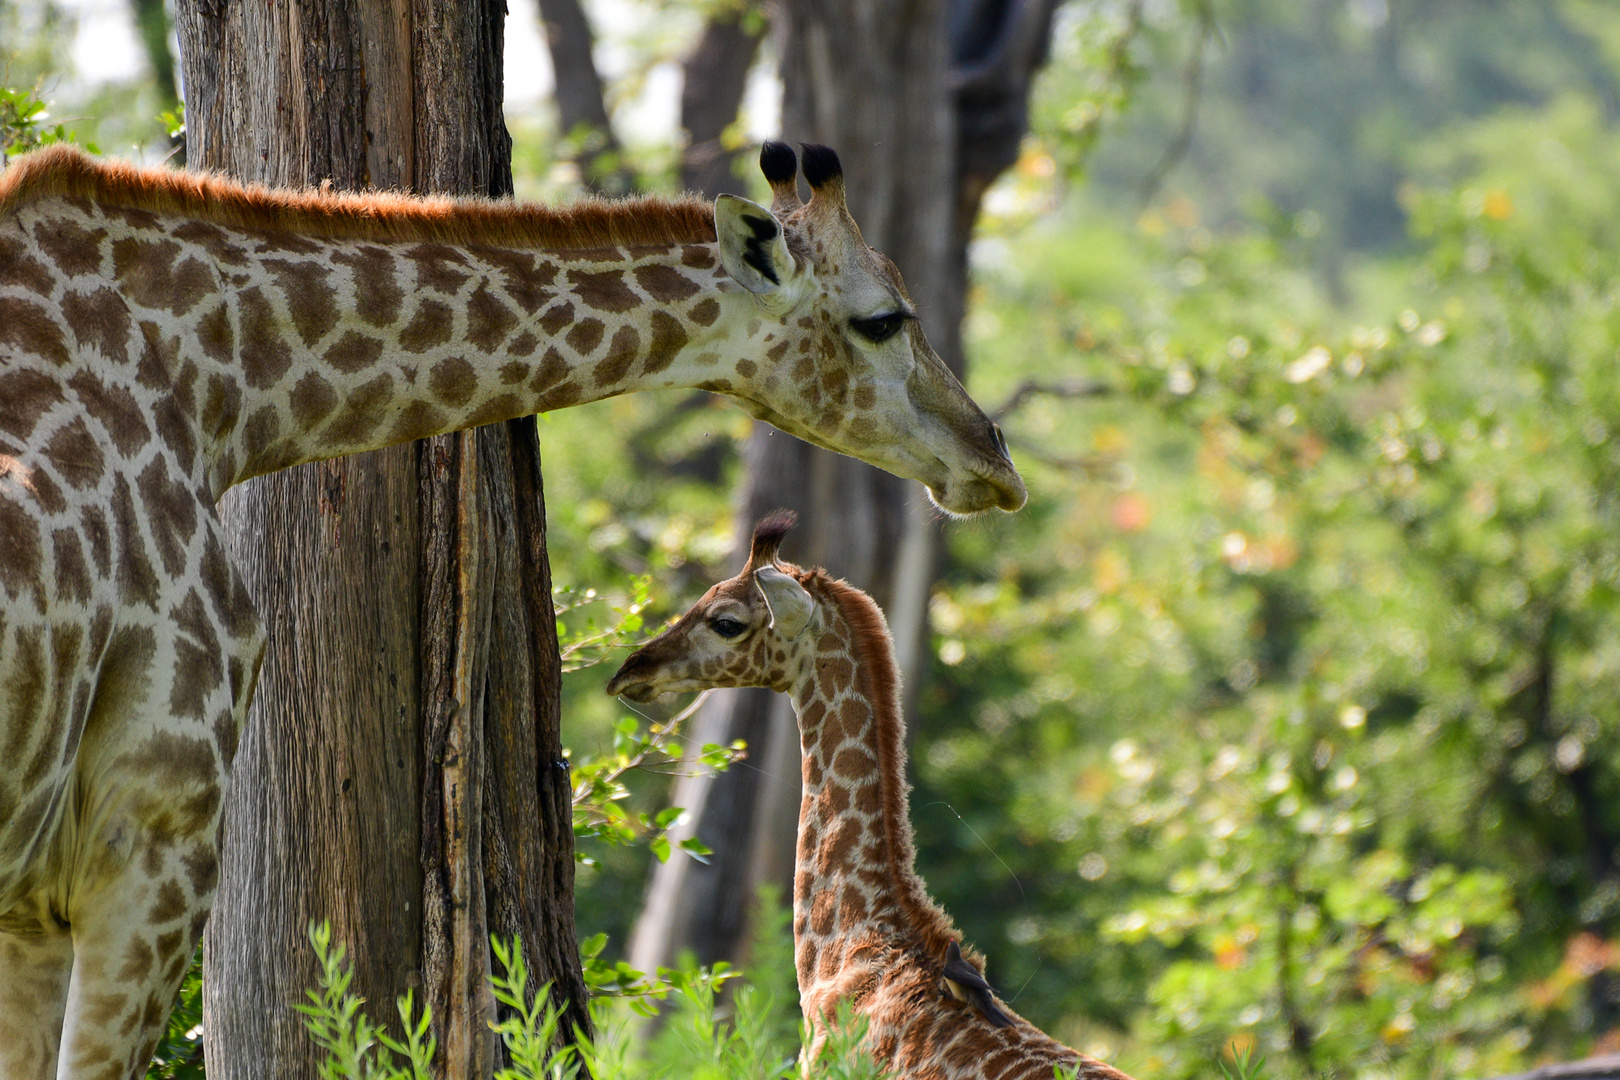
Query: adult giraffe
{"x": 164, "y": 336}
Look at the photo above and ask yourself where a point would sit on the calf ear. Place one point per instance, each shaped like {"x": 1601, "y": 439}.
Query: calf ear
{"x": 751, "y": 246}
{"x": 790, "y": 604}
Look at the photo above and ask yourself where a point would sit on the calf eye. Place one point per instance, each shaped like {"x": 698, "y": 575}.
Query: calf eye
{"x": 879, "y": 328}
{"x": 727, "y": 627}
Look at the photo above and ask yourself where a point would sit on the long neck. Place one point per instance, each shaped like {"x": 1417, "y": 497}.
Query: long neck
{"x": 854, "y": 881}
{"x": 287, "y": 349}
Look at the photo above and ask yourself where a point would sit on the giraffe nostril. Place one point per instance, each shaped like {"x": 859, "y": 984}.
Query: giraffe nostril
{"x": 1000, "y": 441}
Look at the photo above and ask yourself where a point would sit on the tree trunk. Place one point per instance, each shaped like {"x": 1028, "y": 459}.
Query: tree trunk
{"x": 926, "y": 103}
{"x": 582, "y": 115}
{"x": 399, "y": 772}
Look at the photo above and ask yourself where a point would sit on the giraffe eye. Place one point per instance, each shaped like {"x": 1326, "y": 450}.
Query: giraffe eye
{"x": 879, "y": 328}
{"x": 728, "y": 627}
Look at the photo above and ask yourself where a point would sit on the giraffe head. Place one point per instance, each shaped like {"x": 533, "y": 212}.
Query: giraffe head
{"x": 756, "y": 629}
{"x": 845, "y": 364}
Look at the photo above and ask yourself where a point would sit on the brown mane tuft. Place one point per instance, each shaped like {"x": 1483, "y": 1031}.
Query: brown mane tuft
{"x": 64, "y": 171}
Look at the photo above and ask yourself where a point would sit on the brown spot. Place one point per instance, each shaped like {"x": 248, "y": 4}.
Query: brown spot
{"x": 585, "y": 336}
{"x": 556, "y": 317}
{"x": 197, "y": 674}
{"x": 171, "y": 514}
{"x": 154, "y": 276}
{"x": 192, "y": 619}
{"x": 363, "y": 411}
{"x": 213, "y": 239}
{"x": 224, "y": 728}
{"x": 746, "y": 368}
{"x": 437, "y": 267}
{"x": 853, "y": 761}
{"x": 488, "y": 320}
{"x": 309, "y": 297}
{"x": 665, "y": 284}
{"x": 823, "y": 912}
{"x": 215, "y": 335}
{"x": 560, "y": 397}
{"x": 72, "y": 575}
{"x": 697, "y": 257}
{"x": 553, "y": 369}
{"x": 73, "y": 248}
{"x": 418, "y": 420}
{"x": 513, "y": 373}
{"x": 100, "y": 319}
{"x": 835, "y": 671}
{"x": 312, "y": 399}
{"x": 76, "y": 454}
{"x": 96, "y": 532}
{"x": 620, "y": 355}
{"x": 377, "y": 296}
{"x": 605, "y": 291}
{"x": 453, "y": 381}
{"x": 137, "y": 581}
{"x": 25, "y": 396}
{"x": 526, "y": 284}
{"x": 174, "y": 428}
{"x": 668, "y": 338}
{"x": 353, "y": 352}
{"x": 260, "y": 431}
{"x": 430, "y": 326}
{"x": 31, "y": 329}
{"x": 499, "y": 407}
{"x": 21, "y": 569}
{"x": 23, "y": 690}
{"x": 265, "y": 355}
{"x": 202, "y": 867}
{"x": 705, "y": 311}
{"x": 522, "y": 345}
{"x": 138, "y": 960}
{"x": 18, "y": 267}
{"x": 169, "y": 905}
{"x": 852, "y": 908}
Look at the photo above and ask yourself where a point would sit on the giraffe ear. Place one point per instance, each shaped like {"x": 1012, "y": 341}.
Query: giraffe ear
{"x": 790, "y": 604}
{"x": 751, "y": 246}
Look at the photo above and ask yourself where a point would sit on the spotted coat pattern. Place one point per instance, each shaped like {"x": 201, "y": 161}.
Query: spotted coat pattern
{"x": 864, "y": 928}
{"x": 163, "y": 337}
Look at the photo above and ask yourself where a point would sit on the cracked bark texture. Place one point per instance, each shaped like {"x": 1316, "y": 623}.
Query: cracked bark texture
{"x": 926, "y": 102}
{"x": 398, "y": 776}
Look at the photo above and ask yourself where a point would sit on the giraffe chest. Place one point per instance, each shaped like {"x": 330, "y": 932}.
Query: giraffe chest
{"x": 127, "y": 654}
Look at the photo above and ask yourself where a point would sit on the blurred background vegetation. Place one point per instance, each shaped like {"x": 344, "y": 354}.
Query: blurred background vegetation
{"x": 1285, "y": 715}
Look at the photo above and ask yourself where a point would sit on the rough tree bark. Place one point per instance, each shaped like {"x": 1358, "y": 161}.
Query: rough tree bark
{"x": 400, "y": 772}
{"x": 926, "y": 103}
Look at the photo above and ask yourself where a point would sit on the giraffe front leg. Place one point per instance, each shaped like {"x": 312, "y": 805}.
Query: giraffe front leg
{"x": 132, "y": 943}
{"x": 36, "y": 960}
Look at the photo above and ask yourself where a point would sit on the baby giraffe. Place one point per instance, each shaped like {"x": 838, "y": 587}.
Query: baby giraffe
{"x": 864, "y": 927}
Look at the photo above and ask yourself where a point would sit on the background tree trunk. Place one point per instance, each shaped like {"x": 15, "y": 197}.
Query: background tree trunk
{"x": 401, "y": 773}
{"x": 926, "y": 104}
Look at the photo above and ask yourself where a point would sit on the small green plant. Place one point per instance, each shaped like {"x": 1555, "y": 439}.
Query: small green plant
{"x": 1245, "y": 1065}
{"x": 698, "y": 1041}
{"x": 179, "y": 1054}
{"x": 23, "y": 127}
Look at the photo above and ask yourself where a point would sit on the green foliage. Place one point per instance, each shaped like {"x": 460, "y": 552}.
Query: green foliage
{"x": 179, "y": 1054}
{"x": 695, "y": 1042}
{"x": 24, "y": 126}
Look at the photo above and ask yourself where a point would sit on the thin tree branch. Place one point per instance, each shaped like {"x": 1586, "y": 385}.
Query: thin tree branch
{"x": 1064, "y": 388}
{"x": 1192, "y": 93}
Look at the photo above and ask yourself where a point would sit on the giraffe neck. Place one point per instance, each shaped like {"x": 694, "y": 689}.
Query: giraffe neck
{"x": 280, "y": 348}
{"x": 854, "y": 883}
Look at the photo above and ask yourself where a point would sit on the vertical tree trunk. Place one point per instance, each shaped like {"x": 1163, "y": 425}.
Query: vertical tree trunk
{"x": 398, "y": 775}
{"x": 926, "y": 103}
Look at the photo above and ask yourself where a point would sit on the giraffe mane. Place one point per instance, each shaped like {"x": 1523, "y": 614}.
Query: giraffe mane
{"x": 878, "y": 677}
{"x": 65, "y": 171}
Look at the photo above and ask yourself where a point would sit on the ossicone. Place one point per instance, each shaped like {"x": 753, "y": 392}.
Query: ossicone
{"x": 768, "y": 536}
{"x": 821, "y": 166}
{"x": 781, "y": 168}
